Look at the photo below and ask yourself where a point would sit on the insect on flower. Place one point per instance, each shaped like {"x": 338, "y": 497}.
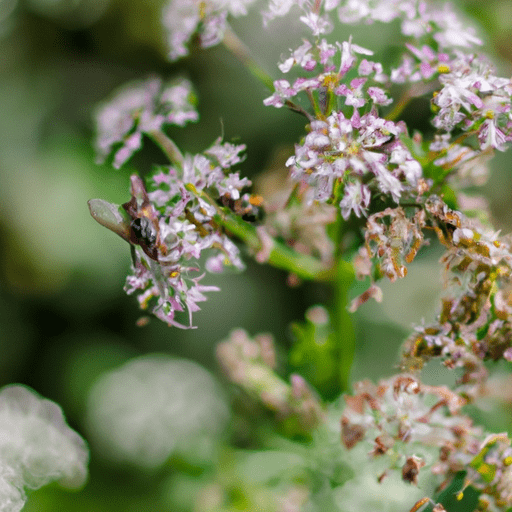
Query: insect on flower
{"x": 136, "y": 221}
{"x": 144, "y": 229}
{"x": 143, "y": 233}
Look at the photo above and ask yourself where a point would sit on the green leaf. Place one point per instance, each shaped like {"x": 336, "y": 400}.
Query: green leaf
{"x": 449, "y": 196}
{"x": 112, "y": 216}
{"x": 452, "y": 500}
{"x": 314, "y": 354}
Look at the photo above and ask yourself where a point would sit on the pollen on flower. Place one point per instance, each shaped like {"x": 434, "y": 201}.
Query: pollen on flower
{"x": 202, "y": 10}
{"x": 443, "y": 68}
{"x": 330, "y": 81}
{"x": 256, "y": 200}
{"x": 353, "y": 148}
{"x": 145, "y": 299}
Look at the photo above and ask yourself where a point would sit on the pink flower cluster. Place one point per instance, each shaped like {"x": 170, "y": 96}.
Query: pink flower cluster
{"x": 182, "y": 19}
{"x": 346, "y": 158}
{"x": 141, "y": 108}
{"x": 182, "y": 207}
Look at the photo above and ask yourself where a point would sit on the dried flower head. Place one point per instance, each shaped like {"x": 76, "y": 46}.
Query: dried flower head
{"x": 473, "y": 325}
{"x": 401, "y": 417}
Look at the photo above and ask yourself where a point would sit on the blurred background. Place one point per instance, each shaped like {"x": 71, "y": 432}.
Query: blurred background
{"x": 64, "y": 318}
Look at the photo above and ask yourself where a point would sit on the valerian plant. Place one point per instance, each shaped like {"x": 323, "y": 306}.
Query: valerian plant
{"x": 364, "y": 195}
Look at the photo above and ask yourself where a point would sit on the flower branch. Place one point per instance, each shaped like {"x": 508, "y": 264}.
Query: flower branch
{"x": 277, "y": 254}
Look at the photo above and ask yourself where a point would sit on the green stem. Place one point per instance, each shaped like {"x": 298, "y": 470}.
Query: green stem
{"x": 415, "y": 91}
{"x": 168, "y": 146}
{"x": 399, "y": 106}
{"x": 341, "y": 319}
{"x": 234, "y": 44}
{"x": 280, "y": 255}
{"x": 342, "y": 322}
{"x": 237, "y": 47}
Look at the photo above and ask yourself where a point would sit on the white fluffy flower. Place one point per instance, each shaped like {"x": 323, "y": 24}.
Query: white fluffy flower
{"x": 36, "y": 447}
{"x": 153, "y": 405}
{"x": 12, "y": 496}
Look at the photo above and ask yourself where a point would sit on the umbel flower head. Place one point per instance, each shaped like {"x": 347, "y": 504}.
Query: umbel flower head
{"x": 419, "y": 20}
{"x": 171, "y": 226}
{"x": 351, "y": 153}
{"x": 36, "y": 447}
{"x": 473, "y": 99}
{"x": 364, "y": 152}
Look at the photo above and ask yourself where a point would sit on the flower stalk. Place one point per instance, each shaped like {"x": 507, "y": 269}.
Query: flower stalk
{"x": 239, "y": 49}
